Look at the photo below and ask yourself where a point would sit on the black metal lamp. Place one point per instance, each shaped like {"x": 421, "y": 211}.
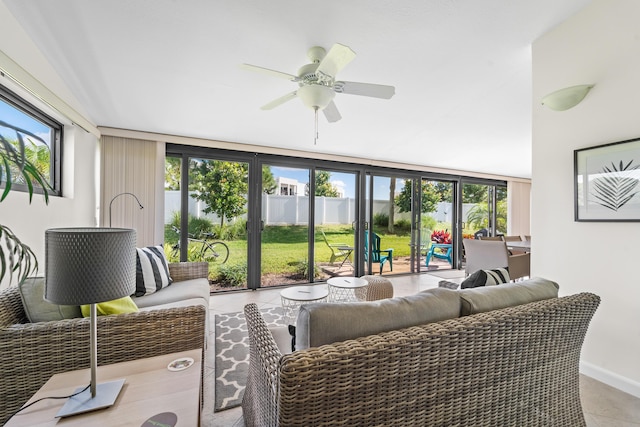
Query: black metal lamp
{"x": 118, "y": 195}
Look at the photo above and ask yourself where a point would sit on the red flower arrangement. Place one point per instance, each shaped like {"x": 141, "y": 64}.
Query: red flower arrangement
{"x": 441, "y": 236}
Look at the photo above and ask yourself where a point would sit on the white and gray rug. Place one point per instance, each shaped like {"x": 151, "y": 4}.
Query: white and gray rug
{"x": 448, "y": 274}
{"x": 232, "y": 355}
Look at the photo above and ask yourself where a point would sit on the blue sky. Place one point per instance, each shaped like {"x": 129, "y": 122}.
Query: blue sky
{"x": 345, "y": 181}
{"x": 16, "y": 118}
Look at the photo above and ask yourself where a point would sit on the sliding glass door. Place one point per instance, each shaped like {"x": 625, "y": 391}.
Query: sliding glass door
{"x": 207, "y": 221}
{"x": 436, "y": 221}
{"x": 262, "y": 220}
{"x": 285, "y": 225}
{"x": 387, "y": 235}
{"x": 335, "y": 234}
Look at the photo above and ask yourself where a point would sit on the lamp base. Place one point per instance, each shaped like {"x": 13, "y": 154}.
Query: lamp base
{"x": 106, "y": 395}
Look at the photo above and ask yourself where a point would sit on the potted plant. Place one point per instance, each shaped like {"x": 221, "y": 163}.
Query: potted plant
{"x": 17, "y": 258}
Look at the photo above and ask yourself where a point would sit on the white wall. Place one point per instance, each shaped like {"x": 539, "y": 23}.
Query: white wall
{"x": 600, "y": 45}
{"x": 80, "y": 175}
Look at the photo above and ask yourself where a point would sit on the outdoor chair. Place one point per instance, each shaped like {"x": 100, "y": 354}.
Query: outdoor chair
{"x": 377, "y": 255}
{"x": 488, "y": 255}
{"x": 513, "y": 239}
{"x": 339, "y": 251}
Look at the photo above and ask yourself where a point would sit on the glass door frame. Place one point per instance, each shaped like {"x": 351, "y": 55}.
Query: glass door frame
{"x": 492, "y": 207}
{"x": 362, "y": 174}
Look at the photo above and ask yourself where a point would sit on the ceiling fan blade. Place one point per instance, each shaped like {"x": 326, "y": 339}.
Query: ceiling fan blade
{"x": 365, "y": 89}
{"x": 279, "y": 101}
{"x": 271, "y": 72}
{"x": 331, "y": 112}
{"x": 336, "y": 59}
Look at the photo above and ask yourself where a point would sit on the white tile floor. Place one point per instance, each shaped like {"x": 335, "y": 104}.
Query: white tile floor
{"x": 604, "y": 406}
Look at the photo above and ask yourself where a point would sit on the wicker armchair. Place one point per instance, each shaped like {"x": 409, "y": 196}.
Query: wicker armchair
{"x": 33, "y": 352}
{"x": 517, "y": 366}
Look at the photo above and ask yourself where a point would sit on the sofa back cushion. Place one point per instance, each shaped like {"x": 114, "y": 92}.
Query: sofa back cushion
{"x": 483, "y": 299}
{"x": 326, "y": 323}
{"x": 38, "y": 309}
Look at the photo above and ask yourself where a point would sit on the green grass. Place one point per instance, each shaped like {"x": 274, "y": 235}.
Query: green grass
{"x": 285, "y": 250}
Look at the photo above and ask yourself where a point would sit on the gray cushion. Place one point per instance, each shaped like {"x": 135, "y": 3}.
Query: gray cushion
{"x": 326, "y": 323}
{"x": 177, "y": 304}
{"x": 40, "y": 310}
{"x": 483, "y": 299}
{"x": 177, "y": 291}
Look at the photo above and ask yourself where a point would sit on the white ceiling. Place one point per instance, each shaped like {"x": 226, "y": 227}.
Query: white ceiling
{"x": 461, "y": 68}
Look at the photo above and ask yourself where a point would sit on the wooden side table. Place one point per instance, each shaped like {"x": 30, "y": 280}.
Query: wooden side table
{"x": 150, "y": 388}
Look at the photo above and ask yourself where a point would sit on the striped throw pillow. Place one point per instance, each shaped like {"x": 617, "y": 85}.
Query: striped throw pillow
{"x": 486, "y": 278}
{"x": 152, "y": 270}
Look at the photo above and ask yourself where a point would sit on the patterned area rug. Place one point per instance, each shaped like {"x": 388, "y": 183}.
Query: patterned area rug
{"x": 232, "y": 355}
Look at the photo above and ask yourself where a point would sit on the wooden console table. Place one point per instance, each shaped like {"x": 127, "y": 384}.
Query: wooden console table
{"x": 150, "y": 388}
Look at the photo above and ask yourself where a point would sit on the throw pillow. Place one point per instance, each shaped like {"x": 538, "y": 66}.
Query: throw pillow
{"x": 152, "y": 270}
{"x": 37, "y": 308}
{"x": 447, "y": 284}
{"x": 292, "y": 332}
{"x": 117, "y": 306}
{"x": 486, "y": 278}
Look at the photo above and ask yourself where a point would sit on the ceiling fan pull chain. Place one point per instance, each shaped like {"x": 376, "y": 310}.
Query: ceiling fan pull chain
{"x": 315, "y": 138}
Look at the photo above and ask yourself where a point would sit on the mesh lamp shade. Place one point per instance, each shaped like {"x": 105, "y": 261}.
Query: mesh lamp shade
{"x": 89, "y": 265}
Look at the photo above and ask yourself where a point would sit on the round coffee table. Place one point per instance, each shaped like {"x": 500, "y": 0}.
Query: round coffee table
{"x": 292, "y": 298}
{"x": 346, "y": 289}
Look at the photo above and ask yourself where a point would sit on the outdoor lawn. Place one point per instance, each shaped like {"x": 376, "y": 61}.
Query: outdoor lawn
{"x": 285, "y": 251}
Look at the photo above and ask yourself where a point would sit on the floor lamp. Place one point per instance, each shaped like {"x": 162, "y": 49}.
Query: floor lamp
{"x": 88, "y": 266}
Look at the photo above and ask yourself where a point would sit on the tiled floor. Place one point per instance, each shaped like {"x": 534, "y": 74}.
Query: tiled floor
{"x": 604, "y": 406}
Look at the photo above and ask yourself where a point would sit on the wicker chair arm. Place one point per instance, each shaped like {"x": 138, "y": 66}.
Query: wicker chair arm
{"x": 259, "y": 404}
{"x": 39, "y": 350}
{"x": 11, "y": 308}
{"x": 180, "y": 271}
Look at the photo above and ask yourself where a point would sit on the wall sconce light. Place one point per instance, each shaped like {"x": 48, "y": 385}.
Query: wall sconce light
{"x": 118, "y": 195}
{"x": 566, "y": 98}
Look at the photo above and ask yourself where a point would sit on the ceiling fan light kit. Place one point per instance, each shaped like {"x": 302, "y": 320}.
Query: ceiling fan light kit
{"x": 316, "y": 96}
{"x": 564, "y": 99}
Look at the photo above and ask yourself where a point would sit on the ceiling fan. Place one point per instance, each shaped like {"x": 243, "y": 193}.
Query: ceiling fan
{"x": 317, "y": 84}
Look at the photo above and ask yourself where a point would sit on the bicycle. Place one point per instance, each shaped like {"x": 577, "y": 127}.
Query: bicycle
{"x": 210, "y": 250}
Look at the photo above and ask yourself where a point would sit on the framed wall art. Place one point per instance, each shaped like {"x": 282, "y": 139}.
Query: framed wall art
{"x": 607, "y": 182}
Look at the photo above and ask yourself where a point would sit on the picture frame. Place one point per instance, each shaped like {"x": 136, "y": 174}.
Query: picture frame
{"x": 607, "y": 182}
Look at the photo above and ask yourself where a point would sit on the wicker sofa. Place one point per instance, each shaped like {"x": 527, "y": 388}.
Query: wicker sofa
{"x": 496, "y": 362}
{"x": 174, "y": 319}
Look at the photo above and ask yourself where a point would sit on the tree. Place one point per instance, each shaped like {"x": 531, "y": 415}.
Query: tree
{"x": 269, "y": 184}
{"x": 323, "y": 186}
{"x": 222, "y": 186}
{"x": 478, "y": 216}
{"x": 172, "y": 173}
{"x": 392, "y": 210}
{"x": 431, "y": 195}
{"x": 474, "y": 193}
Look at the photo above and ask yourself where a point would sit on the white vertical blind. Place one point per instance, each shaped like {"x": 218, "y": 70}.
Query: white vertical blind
{"x": 133, "y": 166}
{"x": 518, "y": 208}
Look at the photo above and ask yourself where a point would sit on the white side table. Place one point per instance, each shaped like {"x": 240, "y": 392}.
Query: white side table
{"x": 345, "y": 289}
{"x": 292, "y": 298}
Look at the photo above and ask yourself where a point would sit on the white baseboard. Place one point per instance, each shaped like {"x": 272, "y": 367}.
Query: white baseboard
{"x": 614, "y": 380}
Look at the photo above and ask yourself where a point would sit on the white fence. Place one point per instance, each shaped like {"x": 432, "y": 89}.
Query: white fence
{"x": 294, "y": 210}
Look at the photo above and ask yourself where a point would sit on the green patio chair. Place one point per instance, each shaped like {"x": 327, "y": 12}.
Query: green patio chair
{"x": 377, "y": 255}
{"x": 339, "y": 251}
